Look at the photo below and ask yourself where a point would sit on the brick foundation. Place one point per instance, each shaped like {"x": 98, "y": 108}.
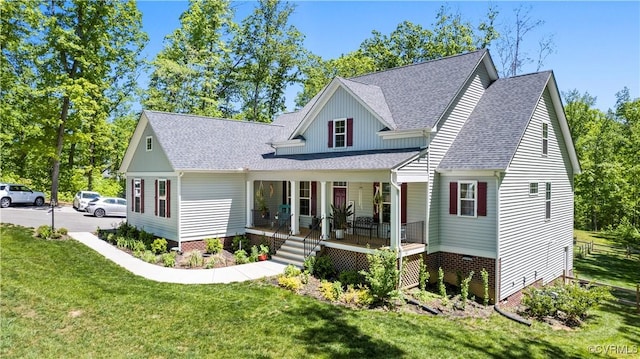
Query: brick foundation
{"x": 454, "y": 264}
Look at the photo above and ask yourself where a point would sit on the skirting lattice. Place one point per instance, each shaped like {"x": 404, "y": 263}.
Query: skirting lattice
{"x": 346, "y": 260}
{"x": 411, "y": 275}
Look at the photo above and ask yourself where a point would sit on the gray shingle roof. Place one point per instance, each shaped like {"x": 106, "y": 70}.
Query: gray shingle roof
{"x": 490, "y": 137}
{"x": 373, "y": 96}
{"x": 418, "y": 95}
{"x": 195, "y": 142}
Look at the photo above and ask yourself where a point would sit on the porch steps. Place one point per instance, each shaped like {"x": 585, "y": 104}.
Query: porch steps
{"x": 291, "y": 252}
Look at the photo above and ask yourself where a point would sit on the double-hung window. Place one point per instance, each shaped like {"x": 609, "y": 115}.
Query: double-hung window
{"x": 305, "y": 198}
{"x": 137, "y": 195}
{"x": 467, "y": 198}
{"x": 149, "y": 143}
{"x": 162, "y": 198}
{"x": 340, "y": 133}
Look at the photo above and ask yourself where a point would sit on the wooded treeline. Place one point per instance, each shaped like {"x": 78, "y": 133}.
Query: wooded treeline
{"x": 70, "y": 71}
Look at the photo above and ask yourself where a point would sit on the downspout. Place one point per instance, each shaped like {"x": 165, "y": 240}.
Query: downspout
{"x": 396, "y": 219}
{"x": 180, "y": 210}
{"x": 497, "y": 264}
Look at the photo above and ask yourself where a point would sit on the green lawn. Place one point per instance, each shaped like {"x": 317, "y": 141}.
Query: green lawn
{"x": 60, "y": 299}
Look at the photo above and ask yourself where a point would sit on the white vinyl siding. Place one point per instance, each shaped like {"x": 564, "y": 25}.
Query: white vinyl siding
{"x": 213, "y": 205}
{"x": 365, "y": 129}
{"x": 532, "y": 248}
{"x": 159, "y": 226}
{"x": 464, "y": 234}
{"x": 447, "y": 130}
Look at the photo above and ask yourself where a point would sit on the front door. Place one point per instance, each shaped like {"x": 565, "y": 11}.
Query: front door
{"x": 339, "y": 196}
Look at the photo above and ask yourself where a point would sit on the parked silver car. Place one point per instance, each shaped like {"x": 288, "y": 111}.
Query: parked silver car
{"x": 107, "y": 206}
{"x": 11, "y": 193}
{"x": 82, "y": 198}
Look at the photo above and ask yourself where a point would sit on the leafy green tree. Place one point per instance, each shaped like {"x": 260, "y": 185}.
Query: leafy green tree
{"x": 268, "y": 54}
{"x": 189, "y": 74}
{"x": 69, "y": 68}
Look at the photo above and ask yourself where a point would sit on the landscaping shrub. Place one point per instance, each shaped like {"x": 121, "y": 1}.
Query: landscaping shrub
{"x": 568, "y": 303}
{"x": 63, "y": 231}
{"x": 137, "y": 246}
{"x": 291, "y": 271}
{"x": 194, "y": 258}
{"x": 44, "y": 232}
{"x": 350, "y": 277}
{"x": 309, "y": 264}
{"x": 383, "y": 275}
{"x": 331, "y": 291}
{"x": 323, "y": 267}
{"x": 213, "y": 245}
{"x": 159, "y": 245}
{"x": 148, "y": 256}
{"x": 169, "y": 259}
{"x": 423, "y": 276}
{"x": 359, "y": 295}
{"x": 146, "y": 238}
{"x": 240, "y": 242}
{"x": 464, "y": 290}
{"x": 442, "y": 288}
{"x": 485, "y": 285}
{"x": 241, "y": 256}
{"x": 290, "y": 283}
{"x": 254, "y": 254}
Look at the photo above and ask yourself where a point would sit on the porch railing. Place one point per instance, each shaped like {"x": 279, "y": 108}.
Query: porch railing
{"x": 313, "y": 238}
{"x": 412, "y": 232}
{"x": 282, "y": 233}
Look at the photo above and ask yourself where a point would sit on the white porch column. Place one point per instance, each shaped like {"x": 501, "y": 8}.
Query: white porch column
{"x": 295, "y": 220}
{"x": 396, "y": 196}
{"x": 323, "y": 210}
{"x": 249, "y": 203}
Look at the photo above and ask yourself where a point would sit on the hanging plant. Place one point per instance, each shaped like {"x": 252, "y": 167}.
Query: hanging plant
{"x": 260, "y": 200}
{"x": 377, "y": 199}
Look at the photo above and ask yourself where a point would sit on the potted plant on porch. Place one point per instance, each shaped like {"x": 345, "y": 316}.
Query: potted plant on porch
{"x": 340, "y": 215}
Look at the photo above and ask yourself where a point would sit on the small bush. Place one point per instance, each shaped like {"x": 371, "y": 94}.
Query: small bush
{"x": 331, "y": 291}
{"x": 148, "y": 256}
{"x": 159, "y": 245}
{"x": 194, "y": 258}
{"x": 464, "y": 289}
{"x": 137, "y": 246}
{"x": 442, "y": 288}
{"x": 44, "y": 232}
{"x": 359, "y": 295}
{"x": 241, "y": 256}
{"x": 254, "y": 254}
{"x": 350, "y": 277}
{"x": 423, "y": 276}
{"x": 211, "y": 263}
{"x": 63, "y": 231}
{"x": 213, "y": 245}
{"x": 290, "y": 283}
{"x": 383, "y": 275}
{"x": 169, "y": 259}
{"x": 485, "y": 285}
{"x": 240, "y": 242}
{"x": 291, "y": 271}
{"x": 323, "y": 267}
{"x": 309, "y": 264}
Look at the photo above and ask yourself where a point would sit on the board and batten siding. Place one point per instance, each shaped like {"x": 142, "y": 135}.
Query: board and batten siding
{"x": 366, "y": 126}
{"x": 474, "y": 236}
{"x": 213, "y": 205}
{"x": 148, "y": 221}
{"x": 149, "y": 161}
{"x": 447, "y": 131}
{"x": 532, "y": 248}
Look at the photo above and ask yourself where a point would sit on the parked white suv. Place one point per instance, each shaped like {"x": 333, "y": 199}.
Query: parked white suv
{"x": 16, "y": 193}
{"x": 82, "y": 199}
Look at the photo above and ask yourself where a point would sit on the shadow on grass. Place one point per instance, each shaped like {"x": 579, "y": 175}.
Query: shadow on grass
{"x": 334, "y": 337}
{"x": 630, "y": 318}
{"x": 609, "y": 269}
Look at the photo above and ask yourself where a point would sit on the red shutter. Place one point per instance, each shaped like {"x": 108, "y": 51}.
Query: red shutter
{"x": 330, "y": 134}
{"x": 155, "y": 199}
{"x": 133, "y": 195}
{"x": 482, "y": 198}
{"x": 142, "y": 196}
{"x": 376, "y": 215}
{"x": 314, "y": 187}
{"x": 349, "y": 132}
{"x": 403, "y": 203}
{"x": 453, "y": 197}
{"x": 284, "y": 192}
{"x": 168, "y": 204}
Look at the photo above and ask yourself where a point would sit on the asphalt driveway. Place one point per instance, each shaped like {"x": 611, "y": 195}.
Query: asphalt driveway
{"x": 63, "y": 217}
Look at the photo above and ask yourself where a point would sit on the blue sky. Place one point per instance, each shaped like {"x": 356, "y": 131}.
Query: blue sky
{"x": 597, "y": 44}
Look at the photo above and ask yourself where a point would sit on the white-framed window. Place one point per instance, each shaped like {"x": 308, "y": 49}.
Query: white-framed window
{"x": 545, "y": 138}
{"x": 305, "y": 198}
{"x": 547, "y": 208}
{"x": 149, "y": 143}
{"x": 162, "y": 198}
{"x": 533, "y": 189}
{"x": 467, "y": 198}
{"x": 137, "y": 195}
{"x": 340, "y": 133}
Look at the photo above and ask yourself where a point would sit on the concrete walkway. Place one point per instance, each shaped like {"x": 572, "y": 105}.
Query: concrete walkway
{"x": 237, "y": 273}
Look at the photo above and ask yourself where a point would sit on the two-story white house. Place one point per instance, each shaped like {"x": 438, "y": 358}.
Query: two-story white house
{"x": 442, "y": 161}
